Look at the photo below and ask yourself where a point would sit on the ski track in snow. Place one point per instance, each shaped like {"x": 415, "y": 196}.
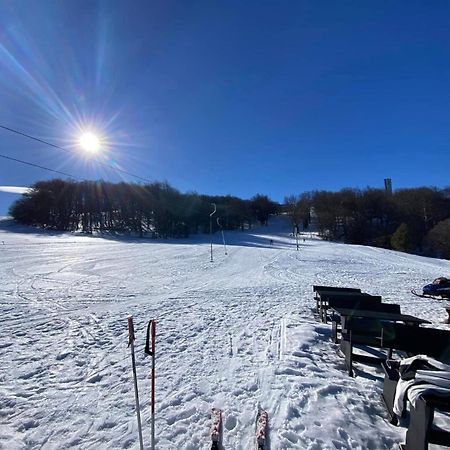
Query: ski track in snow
{"x": 238, "y": 334}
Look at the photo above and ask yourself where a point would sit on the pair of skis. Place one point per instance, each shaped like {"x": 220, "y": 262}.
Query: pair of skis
{"x": 261, "y": 432}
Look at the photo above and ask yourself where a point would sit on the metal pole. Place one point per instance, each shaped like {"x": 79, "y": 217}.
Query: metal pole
{"x": 210, "y": 228}
{"x": 150, "y": 350}
{"x": 131, "y": 340}
{"x": 223, "y": 236}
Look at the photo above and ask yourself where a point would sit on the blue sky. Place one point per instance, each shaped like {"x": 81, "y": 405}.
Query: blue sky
{"x": 229, "y": 97}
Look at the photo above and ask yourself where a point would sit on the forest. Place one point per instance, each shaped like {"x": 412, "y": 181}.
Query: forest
{"x": 156, "y": 210}
{"x": 415, "y": 220}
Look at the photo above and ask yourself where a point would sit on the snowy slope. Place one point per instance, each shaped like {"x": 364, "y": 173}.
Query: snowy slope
{"x": 236, "y": 333}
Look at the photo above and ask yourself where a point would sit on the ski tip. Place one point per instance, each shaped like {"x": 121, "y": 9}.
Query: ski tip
{"x": 263, "y": 414}
{"x": 216, "y": 427}
{"x": 262, "y": 424}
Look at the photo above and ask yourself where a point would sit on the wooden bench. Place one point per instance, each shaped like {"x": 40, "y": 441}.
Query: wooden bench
{"x": 334, "y": 288}
{"x": 361, "y": 332}
{"x": 327, "y": 299}
{"x": 323, "y": 297}
{"x": 317, "y": 289}
{"x": 422, "y": 341}
{"x": 380, "y": 330}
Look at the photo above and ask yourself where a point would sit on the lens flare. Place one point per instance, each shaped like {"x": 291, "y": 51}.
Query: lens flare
{"x": 90, "y": 142}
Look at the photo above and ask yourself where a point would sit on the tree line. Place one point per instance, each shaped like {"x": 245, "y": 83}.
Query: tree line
{"x": 410, "y": 220}
{"x": 157, "y": 209}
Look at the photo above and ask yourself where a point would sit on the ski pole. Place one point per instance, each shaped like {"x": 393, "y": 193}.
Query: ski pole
{"x": 150, "y": 350}
{"x": 131, "y": 340}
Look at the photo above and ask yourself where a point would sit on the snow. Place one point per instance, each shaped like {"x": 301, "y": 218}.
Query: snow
{"x": 237, "y": 334}
{"x": 15, "y": 189}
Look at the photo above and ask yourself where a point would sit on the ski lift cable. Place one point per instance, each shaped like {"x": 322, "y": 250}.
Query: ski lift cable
{"x": 12, "y": 130}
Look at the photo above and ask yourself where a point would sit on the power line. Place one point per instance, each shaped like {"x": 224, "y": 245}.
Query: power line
{"x": 34, "y": 138}
{"x": 38, "y": 166}
{"x": 67, "y": 151}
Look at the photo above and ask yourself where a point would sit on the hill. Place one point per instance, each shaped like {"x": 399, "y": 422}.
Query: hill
{"x": 236, "y": 333}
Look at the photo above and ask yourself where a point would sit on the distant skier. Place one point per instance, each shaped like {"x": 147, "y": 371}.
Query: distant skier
{"x": 271, "y": 242}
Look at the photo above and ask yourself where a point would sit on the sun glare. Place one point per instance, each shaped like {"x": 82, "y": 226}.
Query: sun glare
{"x": 90, "y": 142}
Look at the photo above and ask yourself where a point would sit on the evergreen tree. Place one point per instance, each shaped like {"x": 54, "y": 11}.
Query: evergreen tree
{"x": 401, "y": 239}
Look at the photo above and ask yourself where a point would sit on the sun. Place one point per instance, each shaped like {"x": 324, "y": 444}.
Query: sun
{"x": 89, "y": 142}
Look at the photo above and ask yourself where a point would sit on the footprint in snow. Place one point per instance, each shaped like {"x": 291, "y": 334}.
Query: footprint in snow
{"x": 94, "y": 378}
{"x": 231, "y": 422}
{"x": 181, "y": 415}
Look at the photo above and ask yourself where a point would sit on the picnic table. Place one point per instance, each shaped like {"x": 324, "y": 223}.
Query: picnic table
{"x": 372, "y": 306}
{"x": 323, "y": 299}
